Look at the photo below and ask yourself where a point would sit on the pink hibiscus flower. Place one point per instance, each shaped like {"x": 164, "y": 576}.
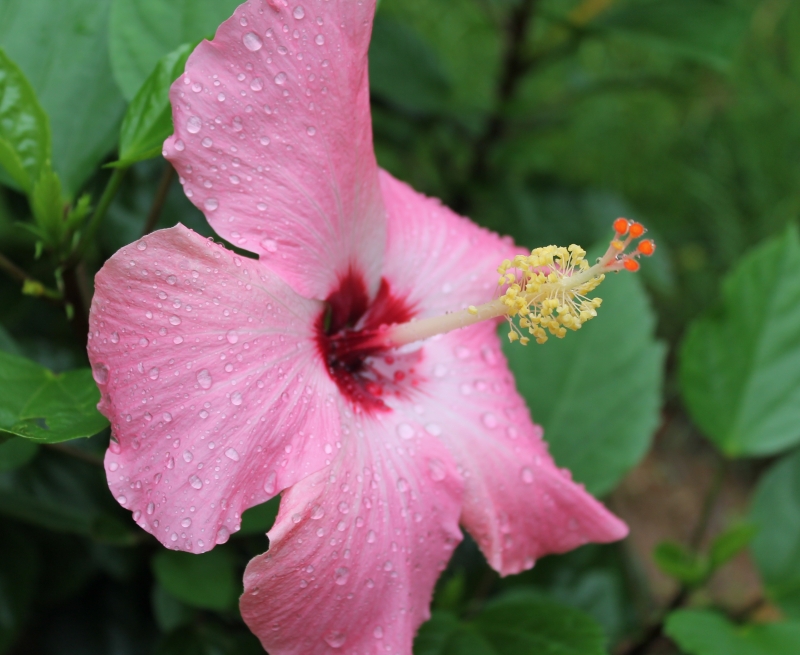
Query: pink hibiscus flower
{"x": 229, "y": 380}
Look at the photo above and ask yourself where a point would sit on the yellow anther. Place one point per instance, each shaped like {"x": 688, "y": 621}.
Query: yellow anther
{"x": 473, "y": 310}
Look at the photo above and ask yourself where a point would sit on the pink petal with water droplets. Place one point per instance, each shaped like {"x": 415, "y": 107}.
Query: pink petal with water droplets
{"x": 356, "y": 549}
{"x": 273, "y": 140}
{"x": 518, "y": 504}
{"x": 212, "y": 383}
{"x": 437, "y": 260}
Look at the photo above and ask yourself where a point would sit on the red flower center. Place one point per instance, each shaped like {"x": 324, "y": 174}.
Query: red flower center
{"x": 349, "y": 340}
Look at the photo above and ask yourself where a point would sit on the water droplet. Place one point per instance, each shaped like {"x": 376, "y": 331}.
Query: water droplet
{"x": 405, "y": 431}
{"x": 115, "y": 337}
{"x": 150, "y": 509}
{"x": 232, "y": 337}
{"x": 340, "y": 575}
{"x": 378, "y": 632}
{"x": 180, "y": 146}
{"x": 113, "y": 466}
{"x": 196, "y": 482}
{"x": 280, "y": 78}
{"x": 175, "y": 320}
{"x": 335, "y": 639}
{"x": 436, "y": 469}
{"x": 440, "y": 370}
{"x": 489, "y": 420}
{"x": 433, "y": 429}
{"x": 172, "y": 280}
{"x": 144, "y": 342}
{"x": 187, "y": 456}
{"x": 270, "y": 482}
{"x": 319, "y": 39}
{"x": 153, "y": 373}
{"x": 100, "y": 373}
{"x": 211, "y": 204}
{"x": 402, "y": 485}
{"x": 311, "y": 130}
{"x": 204, "y": 379}
{"x": 344, "y": 508}
{"x": 236, "y": 398}
{"x": 232, "y": 454}
{"x": 317, "y": 512}
{"x": 298, "y": 12}
{"x": 207, "y": 142}
{"x": 371, "y": 537}
{"x": 186, "y": 522}
{"x": 141, "y": 245}
{"x": 122, "y": 500}
{"x": 194, "y": 124}
{"x": 527, "y": 475}
{"x": 256, "y": 84}
{"x": 252, "y": 41}
{"x": 222, "y": 535}
{"x": 270, "y": 245}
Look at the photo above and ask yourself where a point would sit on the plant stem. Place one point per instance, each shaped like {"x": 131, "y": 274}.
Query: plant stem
{"x": 159, "y": 199}
{"x": 31, "y": 286}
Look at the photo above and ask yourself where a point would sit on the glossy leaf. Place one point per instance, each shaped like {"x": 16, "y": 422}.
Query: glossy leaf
{"x": 208, "y": 581}
{"x": 700, "y": 632}
{"x": 62, "y": 47}
{"x": 740, "y": 365}
{"x": 144, "y": 31}
{"x": 46, "y": 407}
{"x": 776, "y": 547}
{"x": 24, "y": 129}
{"x": 148, "y": 121}
{"x": 596, "y": 429}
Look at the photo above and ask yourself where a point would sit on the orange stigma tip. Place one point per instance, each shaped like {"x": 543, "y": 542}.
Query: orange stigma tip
{"x": 631, "y": 265}
{"x": 637, "y": 230}
{"x": 621, "y": 225}
{"x": 646, "y": 247}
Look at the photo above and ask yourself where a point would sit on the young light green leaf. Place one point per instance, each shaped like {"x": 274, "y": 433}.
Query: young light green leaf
{"x": 62, "y": 47}
{"x": 677, "y": 562}
{"x": 148, "y": 120}
{"x": 527, "y": 624}
{"x": 776, "y": 546}
{"x": 730, "y": 543}
{"x": 144, "y": 31}
{"x": 46, "y": 407}
{"x": 47, "y": 204}
{"x": 701, "y": 632}
{"x": 740, "y": 366}
{"x": 207, "y": 581}
{"x": 24, "y": 127}
{"x": 597, "y": 430}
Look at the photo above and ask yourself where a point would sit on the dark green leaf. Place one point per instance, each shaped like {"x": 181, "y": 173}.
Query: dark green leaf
{"x": 730, "y": 543}
{"x": 740, "y": 366}
{"x": 715, "y": 30}
{"x": 700, "y": 632}
{"x": 208, "y": 638}
{"x": 596, "y": 429}
{"x": 776, "y": 547}
{"x": 148, "y": 120}
{"x": 259, "y": 519}
{"x": 144, "y": 31}
{"x": 16, "y": 452}
{"x": 62, "y": 47}
{"x": 404, "y": 69}
{"x": 43, "y": 406}
{"x": 169, "y": 612}
{"x": 19, "y": 570}
{"x": 7, "y": 343}
{"x": 24, "y": 128}
{"x": 208, "y": 580}
{"x": 526, "y": 624}
{"x": 677, "y": 562}
{"x": 444, "y": 634}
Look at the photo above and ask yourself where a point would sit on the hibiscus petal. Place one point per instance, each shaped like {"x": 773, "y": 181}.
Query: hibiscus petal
{"x": 211, "y": 380}
{"x": 518, "y": 505}
{"x": 357, "y": 549}
{"x": 435, "y": 259}
{"x": 273, "y": 140}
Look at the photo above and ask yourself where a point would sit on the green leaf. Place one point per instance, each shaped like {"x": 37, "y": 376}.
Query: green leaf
{"x": 677, "y": 562}
{"x": 168, "y": 611}
{"x": 526, "y": 624}
{"x": 62, "y": 47}
{"x": 776, "y": 547}
{"x": 715, "y": 30}
{"x": 259, "y": 519}
{"x": 17, "y": 452}
{"x": 47, "y": 204}
{"x": 208, "y": 581}
{"x": 730, "y": 543}
{"x": 404, "y": 69}
{"x": 740, "y": 365}
{"x": 19, "y": 571}
{"x": 24, "y": 128}
{"x": 46, "y": 407}
{"x": 7, "y": 343}
{"x": 148, "y": 120}
{"x": 144, "y": 31}
{"x": 700, "y": 632}
{"x": 596, "y": 429}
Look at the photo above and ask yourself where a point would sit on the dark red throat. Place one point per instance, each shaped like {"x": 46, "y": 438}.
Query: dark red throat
{"x": 349, "y": 337}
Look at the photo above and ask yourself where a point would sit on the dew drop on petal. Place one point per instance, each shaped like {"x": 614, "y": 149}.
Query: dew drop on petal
{"x": 187, "y": 456}
{"x": 340, "y": 575}
{"x": 150, "y": 509}
{"x": 402, "y": 485}
{"x": 196, "y": 482}
{"x": 232, "y": 336}
{"x": 180, "y": 145}
{"x": 317, "y": 512}
{"x": 280, "y": 78}
{"x": 433, "y": 429}
{"x": 299, "y": 12}
{"x": 405, "y": 431}
{"x": 207, "y": 143}
{"x": 270, "y": 482}
{"x": 236, "y": 398}
{"x": 211, "y": 204}
{"x": 153, "y": 373}
{"x": 319, "y": 39}
{"x": 344, "y": 508}
{"x": 270, "y": 245}
{"x": 231, "y": 453}
{"x": 186, "y": 522}
{"x": 256, "y": 84}
{"x": 335, "y": 639}
{"x": 222, "y": 535}
{"x": 378, "y": 632}
{"x": 115, "y": 337}
{"x": 436, "y": 469}
{"x": 175, "y": 320}
{"x": 252, "y": 41}
{"x": 527, "y": 475}
{"x": 100, "y": 373}
{"x": 489, "y": 420}
{"x": 122, "y": 500}
{"x": 194, "y": 124}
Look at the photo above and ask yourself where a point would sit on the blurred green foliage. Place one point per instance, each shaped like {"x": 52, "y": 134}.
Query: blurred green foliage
{"x": 542, "y": 119}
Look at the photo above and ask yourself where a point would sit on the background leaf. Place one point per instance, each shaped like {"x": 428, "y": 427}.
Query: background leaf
{"x": 700, "y": 632}
{"x": 776, "y": 547}
{"x": 144, "y": 31}
{"x": 740, "y": 365}
{"x": 62, "y": 47}
{"x": 47, "y": 407}
{"x": 207, "y": 581}
{"x": 596, "y": 429}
